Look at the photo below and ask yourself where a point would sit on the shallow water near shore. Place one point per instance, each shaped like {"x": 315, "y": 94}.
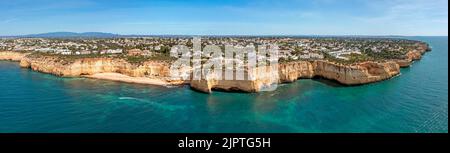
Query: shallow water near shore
{"x": 416, "y": 101}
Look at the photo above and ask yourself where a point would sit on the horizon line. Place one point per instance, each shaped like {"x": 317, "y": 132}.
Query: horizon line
{"x": 338, "y": 35}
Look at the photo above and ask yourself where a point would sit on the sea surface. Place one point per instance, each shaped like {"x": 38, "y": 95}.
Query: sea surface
{"x": 415, "y": 102}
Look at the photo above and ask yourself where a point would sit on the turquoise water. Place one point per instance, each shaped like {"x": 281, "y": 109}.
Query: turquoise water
{"x": 417, "y": 101}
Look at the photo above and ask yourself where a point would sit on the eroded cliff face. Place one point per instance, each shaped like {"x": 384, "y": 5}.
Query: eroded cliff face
{"x": 256, "y": 80}
{"x": 208, "y": 86}
{"x": 291, "y": 72}
{"x": 356, "y": 74}
{"x": 12, "y": 56}
{"x": 91, "y": 66}
{"x": 361, "y": 73}
{"x": 413, "y": 55}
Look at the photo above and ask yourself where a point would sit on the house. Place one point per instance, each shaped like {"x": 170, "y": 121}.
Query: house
{"x": 147, "y": 53}
{"x": 135, "y": 52}
{"x": 114, "y": 51}
{"x": 66, "y": 53}
{"x": 85, "y": 52}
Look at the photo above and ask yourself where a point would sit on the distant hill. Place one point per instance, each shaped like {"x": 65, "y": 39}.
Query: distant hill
{"x": 72, "y": 35}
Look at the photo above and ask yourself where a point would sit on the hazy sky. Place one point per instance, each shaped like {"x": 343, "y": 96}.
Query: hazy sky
{"x": 224, "y": 17}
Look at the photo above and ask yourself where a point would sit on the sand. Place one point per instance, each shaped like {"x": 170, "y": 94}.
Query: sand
{"x": 124, "y": 78}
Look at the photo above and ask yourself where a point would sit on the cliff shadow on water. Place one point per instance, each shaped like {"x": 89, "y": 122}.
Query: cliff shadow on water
{"x": 329, "y": 82}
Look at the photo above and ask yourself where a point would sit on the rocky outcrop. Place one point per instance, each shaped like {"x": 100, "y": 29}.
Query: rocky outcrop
{"x": 262, "y": 79}
{"x": 413, "y": 55}
{"x": 233, "y": 85}
{"x": 291, "y": 72}
{"x": 12, "y": 56}
{"x": 355, "y": 74}
{"x": 92, "y": 66}
{"x": 403, "y": 63}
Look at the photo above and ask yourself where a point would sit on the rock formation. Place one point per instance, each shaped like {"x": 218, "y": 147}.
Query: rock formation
{"x": 91, "y": 66}
{"x": 12, "y": 56}
{"x": 361, "y": 73}
{"x": 413, "y": 55}
{"x": 355, "y": 74}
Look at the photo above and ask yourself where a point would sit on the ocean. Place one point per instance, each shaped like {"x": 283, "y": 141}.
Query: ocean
{"x": 414, "y": 102}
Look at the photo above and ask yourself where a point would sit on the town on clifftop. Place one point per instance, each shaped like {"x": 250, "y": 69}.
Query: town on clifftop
{"x": 147, "y": 60}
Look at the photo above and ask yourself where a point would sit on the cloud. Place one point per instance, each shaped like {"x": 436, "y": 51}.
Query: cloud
{"x": 27, "y": 6}
{"x": 265, "y": 16}
{"x": 410, "y": 10}
{"x": 6, "y": 21}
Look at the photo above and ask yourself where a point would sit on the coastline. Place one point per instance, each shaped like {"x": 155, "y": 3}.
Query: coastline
{"x": 12, "y": 56}
{"x": 421, "y": 88}
{"x": 157, "y": 73}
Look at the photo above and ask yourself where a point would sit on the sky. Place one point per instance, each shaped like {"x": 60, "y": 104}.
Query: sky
{"x": 226, "y": 17}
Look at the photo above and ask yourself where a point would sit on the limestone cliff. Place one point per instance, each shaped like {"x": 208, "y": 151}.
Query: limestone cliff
{"x": 263, "y": 79}
{"x": 413, "y": 55}
{"x": 355, "y": 74}
{"x": 293, "y": 71}
{"x": 91, "y": 66}
{"x": 11, "y": 55}
{"x": 361, "y": 73}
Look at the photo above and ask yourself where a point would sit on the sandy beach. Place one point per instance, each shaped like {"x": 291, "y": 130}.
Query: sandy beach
{"x": 124, "y": 78}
